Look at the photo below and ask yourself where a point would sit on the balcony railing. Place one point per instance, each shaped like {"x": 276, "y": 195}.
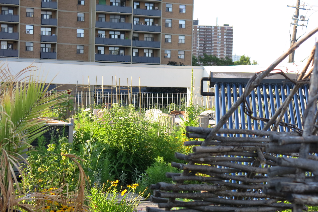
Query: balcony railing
{"x": 9, "y": 18}
{"x": 48, "y": 55}
{"x": 9, "y": 36}
{"x": 50, "y": 4}
{"x": 147, "y": 12}
{"x": 49, "y": 38}
{"x": 147, "y": 28}
{"x": 112, "y": 41}
{"x": 116, "y": 9}
{"x": 15, "y": 2}
{"x": 153, "y": 44}
{"x": 8, "y": 53}
{"x": 113, "y": 58}
{"x": 146, "y": 59}
{"x": 51, "y": 21}
{"x": 113, "y": 25}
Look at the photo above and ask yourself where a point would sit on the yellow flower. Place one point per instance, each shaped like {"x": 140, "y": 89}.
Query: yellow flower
{"x": 123, "y": 192}
{"x": 47, "y": 207}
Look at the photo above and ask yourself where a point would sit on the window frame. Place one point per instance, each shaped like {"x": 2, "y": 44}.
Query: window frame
{"x": 167, "y": 24}
{"x": 80, "y": 33}
{"x": 29, "y": 12}
{"x": 29, "y": 47}
{"x": 182, "y": 39}
{"x": 182, "y": 26}
{"x": 167, "y": 53}
{"x": 168, "y": 38}
{"x": 81, "y": 2}
{"x": 81, "y": 17}
{"x": 180, "y": 55}
{"x": 29, "y": 31}
{"x": 181, "y": 9}
{"x": 80, "y": 49}
{"x": 168, "y": 7}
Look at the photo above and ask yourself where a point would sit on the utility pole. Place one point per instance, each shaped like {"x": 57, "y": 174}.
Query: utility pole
{"x": 293, "y": 40}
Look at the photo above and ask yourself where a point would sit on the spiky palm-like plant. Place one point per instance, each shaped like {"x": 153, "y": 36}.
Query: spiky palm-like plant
{"x": 23, "y": 98}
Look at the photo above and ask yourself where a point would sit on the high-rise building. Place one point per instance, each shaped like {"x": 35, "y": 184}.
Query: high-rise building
{"x": 212, "y": 40}
{"x": 124, "y": 31}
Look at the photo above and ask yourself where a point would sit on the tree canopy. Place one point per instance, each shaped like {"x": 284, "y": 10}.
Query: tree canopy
{"x": 245, "y": 60}
{"x": 211, "y": 60}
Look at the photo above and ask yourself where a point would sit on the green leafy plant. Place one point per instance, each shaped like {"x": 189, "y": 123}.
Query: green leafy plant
{"x": 154, "y": 174}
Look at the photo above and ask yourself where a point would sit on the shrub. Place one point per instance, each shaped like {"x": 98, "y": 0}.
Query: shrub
{"x": 123, "y": 140}
{"x": 154, "y": 174}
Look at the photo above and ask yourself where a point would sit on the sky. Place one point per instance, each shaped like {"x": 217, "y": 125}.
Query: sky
{"x": 261, "y": 29}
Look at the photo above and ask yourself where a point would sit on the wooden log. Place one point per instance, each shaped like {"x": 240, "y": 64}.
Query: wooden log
{"x": 230, "y": 139}
{"x": 303, "y": 199}
{"x": 273, "y": 193}
{"x": 270, "y": 157}
{"x": 207, "y": 149}
{"x": 299, "y": 163}
{"x": 188, "y": 187}
{"x": 171, "y": 175}
{"x": 202, "y": 195}
{"x": 224, "y": 143}
{"x": 183, "y": 204}
{"x": 298, "y": 188}
{"x": 215, "y": 159}
{"x": 236, "y": 209}
{"x": 279, "y": 171}
{"x": 296, "y": 140}
{"x": 181, "y": 156}
{"x": 202, "y": 168}
{"x": 243, "y": 167}
{"x": 200, "y": 130}
{"x": 192, "y": 143}
{"x": 240, "y": 186}
{"x": 261, "y": 157}
{"x": 288, "y": 148}
{"x": 203, "y": 155}
{"x": 158, "y": 199}
{"x": 220, "y": 177}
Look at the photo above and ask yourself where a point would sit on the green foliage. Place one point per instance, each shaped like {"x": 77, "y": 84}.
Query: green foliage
{"x": 154, "y": 174}
{"x": 108, "y": 199}
{"x": 211, "y": 60}
{"x": 49, "y": 168}
{"x": 122, "y": 141}
{"x": 245, "y": 60}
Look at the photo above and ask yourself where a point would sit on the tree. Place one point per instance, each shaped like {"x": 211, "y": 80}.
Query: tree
{"x": 211, "y": 60}
{"x": 245, "y": 60}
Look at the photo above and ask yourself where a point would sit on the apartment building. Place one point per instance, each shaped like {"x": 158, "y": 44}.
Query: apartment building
{"x": 212, "y": 40}
{"x": 122, "y": 31}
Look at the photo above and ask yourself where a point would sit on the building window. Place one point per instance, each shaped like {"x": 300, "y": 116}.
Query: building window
{"x": 167, "y": 53}
{"x": 101, "y": 34}
{"x": 80, "y": 33}
{"x": 116, "y": 51}
{"x": 116, "y": 35}
{"x": 148, "y": 52}
{"x": 29, "y": 29}
{"x": 4, "y": 45}
{"x": 168, "y": 23}
{"x": 46, "y": 14}
{"x": 100, "y": 50}
{"x": 168, "y": 7}
{"x": 6, "y": 28}
{"x": 181, "y": 39}
{"x": 136, "y": 21}
{"x": 135, "y": 53}
{"x": 80, "y": 16}
{"x": 136, "y": 5}
{"x": 29, "y": 46}
{"x": 149, "y": 6}
{"x": 135, "y": 36}
{"x": 46, "y": 47}
{"x": 182, "y": 8}
{"x": 181, "y": 54}
{"x": 117, "y": 3}
{"x": 149, "y": 21}
{"x": 29, "y": 12}
{"x": 101, "y": 17}
{"x": 181, "y": 23}
{"x": 46, "y": 31}
{"x": 6, "y": 11}
{"x": 148, "y": 37}
{"x": 81, "y": 2}
{"x": 80, "y": 49}
{"x": 117, "y": 18}
{"x": 168, "y": 38}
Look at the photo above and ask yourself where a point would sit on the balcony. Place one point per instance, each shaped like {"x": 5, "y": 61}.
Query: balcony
{"x": 9, "y": 36}
{"x": 50, "y": 5}
{"x": 147, "y": 12}
{"x": 51, "y": 21}
{"x": 114, "y": 9}
{"x": 12, "y": 2}
{"x": 9, "y": 18}
{"x": 153, "y": 44}
{"x": 147, "y": 28}
{"x": 113, "y": 25}
{"x": 49, "y": 38}
{"x": 111, "y": 41}
{"x": 146, "y": 59}
{"x": 113, "y": 58}
{"x": 48, "y": 55}
{"x": 8, "y": 53}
